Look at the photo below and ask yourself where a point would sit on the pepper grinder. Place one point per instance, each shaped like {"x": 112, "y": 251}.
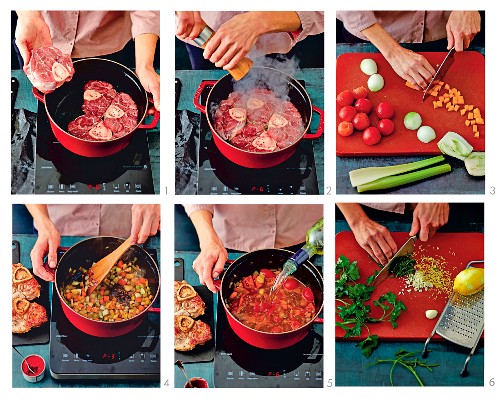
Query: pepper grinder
{"x": 243, "y": 66}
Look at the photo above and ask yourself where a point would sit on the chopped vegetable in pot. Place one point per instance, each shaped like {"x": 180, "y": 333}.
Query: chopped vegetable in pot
{"x": 123, "y": 294}
{"x": 288, "y": 309}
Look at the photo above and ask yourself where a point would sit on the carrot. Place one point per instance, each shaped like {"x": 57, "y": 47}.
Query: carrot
{"x": 479, "y": 121}
{"x": 138, "y": 299}
{"x": 68, "y": 295}
{"x": 476, "y": 135}
{"x": 447, "y": 86}
{"x": 456, "y": 107}
{"x": 467, "y": 122}
{"x": 463, "y": 111}
{"x": 474, "y": 128}
{"x": 470, "y": 115}
{"x": 411, "y": 86}
{"x": 106, "y": 298}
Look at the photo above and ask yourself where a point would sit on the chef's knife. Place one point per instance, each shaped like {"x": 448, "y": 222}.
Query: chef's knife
{"x": 406, "y": 249}
{"x": 439, "y": 75}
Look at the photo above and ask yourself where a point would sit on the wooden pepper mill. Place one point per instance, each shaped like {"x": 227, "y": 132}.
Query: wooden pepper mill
{"x": 243, "y": 66}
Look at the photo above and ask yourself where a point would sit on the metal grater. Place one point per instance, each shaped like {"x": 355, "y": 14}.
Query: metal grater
{"x": 461, "y": 322}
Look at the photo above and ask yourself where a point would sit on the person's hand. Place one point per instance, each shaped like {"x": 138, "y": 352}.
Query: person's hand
{"x": 411, "y": 66}
{"x": 150, "y": 80}
{"x": 376, "y": 240}
{"x": 47, "y": 243}
{"x": 145, "y": 222}
{"x": 233, "y": 40}
{"x": 427, "y": 218}
{"x": 189, "y": 24}
{"x": 31, "y": 32}
{"x": 461, "y": 28}
{"x": 209, "y": 264}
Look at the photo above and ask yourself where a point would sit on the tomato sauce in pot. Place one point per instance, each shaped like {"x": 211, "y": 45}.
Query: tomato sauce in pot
{"x": 290, "y": 307}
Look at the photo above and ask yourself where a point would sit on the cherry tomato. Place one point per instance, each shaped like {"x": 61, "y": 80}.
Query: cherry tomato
{"x": 386, "y": 127}
{"x": 360, "y": 92}
{"x": 361, "y": 121}
{"x": 347, "y": 113}
{"x": 371, "y": 136}
{"x": 291, "y": 283}
{"x": 268, "y": 273}
{"x": 363, "y": 105}
{"x": 308, "y": 294}
{"x": 385, "y": 111}
{"x": 345, "y": 98}
{"x": 345, "y": 128}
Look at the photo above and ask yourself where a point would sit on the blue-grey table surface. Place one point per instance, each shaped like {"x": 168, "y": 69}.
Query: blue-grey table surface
{"x": 456, "y": 182}
{"x": 26, "y": 100}
{"x": 314, "y": 81}
{"x": 26, "y": 242}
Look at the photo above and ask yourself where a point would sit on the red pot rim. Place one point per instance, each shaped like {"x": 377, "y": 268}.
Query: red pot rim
{"x": 320, "y": 309}
{"x": 106, "y": 323}
{"x": 256, "y": 152}
{"x": 99, "y": 141}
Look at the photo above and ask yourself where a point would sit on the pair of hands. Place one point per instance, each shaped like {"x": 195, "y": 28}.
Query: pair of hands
{"x": 33, "y": 32}
{"x": 145, "y": 223}
{"x": 232, "y": 41}
{"x": 378, "y": 242}
{"x": 461, "y": 28}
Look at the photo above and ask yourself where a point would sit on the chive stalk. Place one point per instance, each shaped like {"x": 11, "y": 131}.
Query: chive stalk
{"x": 366, "y": 175}
{"x": 399, "y": 180}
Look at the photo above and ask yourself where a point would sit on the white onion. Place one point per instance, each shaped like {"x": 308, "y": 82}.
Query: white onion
{"x": 412, "y": 120}
{"x": 368, "y": 66}
{"x": 375, "y": 82}
{"x": 426, "y": 134}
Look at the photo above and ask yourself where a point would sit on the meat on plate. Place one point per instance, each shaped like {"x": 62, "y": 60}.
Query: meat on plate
{"x": 258, "y": 121}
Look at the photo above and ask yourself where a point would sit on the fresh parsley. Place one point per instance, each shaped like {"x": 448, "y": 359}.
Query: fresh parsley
{"x": 408, "y": 360}
{"x": 354, "y": 307}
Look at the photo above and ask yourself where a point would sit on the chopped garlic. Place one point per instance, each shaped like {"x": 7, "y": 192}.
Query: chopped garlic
{"x": 431, "y": 314}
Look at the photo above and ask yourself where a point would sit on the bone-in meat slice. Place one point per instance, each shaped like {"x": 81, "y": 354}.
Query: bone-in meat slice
{"x": 189, "y": 333}
{"x": 192, "y": 306}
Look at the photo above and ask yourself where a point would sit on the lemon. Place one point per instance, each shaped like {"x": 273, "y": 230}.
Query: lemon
{"x": 469, "y": 281}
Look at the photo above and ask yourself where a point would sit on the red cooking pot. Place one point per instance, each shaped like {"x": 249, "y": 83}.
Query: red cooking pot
{"x": 65, "y": 104}
{"x": 244, "y": 266}
{"x": 85, "y": 253}
{"x": 271, "y": 79}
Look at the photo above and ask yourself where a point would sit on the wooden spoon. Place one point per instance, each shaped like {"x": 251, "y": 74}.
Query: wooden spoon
{"x": 100, "y": 269}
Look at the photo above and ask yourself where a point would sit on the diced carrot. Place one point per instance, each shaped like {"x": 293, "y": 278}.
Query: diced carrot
{"x": 480, "y": 121}
{"x": 441, "y": 98}
{"x": 470, "y": 115}
{"x": 463, "y": 111}
{"x": 138, "y": 299}
{"x": 476, "y": 135}
{"x": 457, "y": 93}
{"x": 439, "y": 103}
{"x": 433, "y": 93}
{"x": 106, "y": 298}
{"x": 467, "y": 122}
{"x": 68, "y": 295}
{"x": 460, "y": 100}
{"x": 434, "y": 104}
{"x": 456, "y": 107}
{"x": 476, "y": 111}
{"x": 141, "y": 308}
{"x": 447, "y": 86}
{"x": 451, "y": 108}
{"x": 446, "y": 95}
{"x": 411, "y": 86}
{"x": 473, "y": 122}
{"x": 446, "y": 99}
{"x": 441, "y": 83}
{"x": 474, "y": 128}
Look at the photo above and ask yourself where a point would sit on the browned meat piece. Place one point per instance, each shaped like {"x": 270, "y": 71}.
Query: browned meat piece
{"x": 190, "y": 333}
{"x": 187, "y": 302}
{"x": 26, "y": 315}
{"x": 23, "y": 283}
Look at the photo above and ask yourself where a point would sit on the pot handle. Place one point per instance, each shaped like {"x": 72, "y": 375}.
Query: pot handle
{"x": 218, "y": 281}
{"x": 318, "y": 320}
{"x": 321, "y": 124}
{"x": 154, "y": 122}
{"x": 154, "y": 310}
{"x": 197, "y": 95}
{"x": 38, "y": 94}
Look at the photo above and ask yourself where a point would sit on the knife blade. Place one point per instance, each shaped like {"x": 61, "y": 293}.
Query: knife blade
{"x": 439, "y": 75}
{"x": 406, "y": 249}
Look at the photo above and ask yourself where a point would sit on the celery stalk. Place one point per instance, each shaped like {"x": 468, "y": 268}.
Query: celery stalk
{"x": 399, "y": 180}
{"x": 367, "y": 175}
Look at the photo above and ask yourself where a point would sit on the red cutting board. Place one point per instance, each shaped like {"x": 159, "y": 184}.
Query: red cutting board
{"x": 457, "y": 249}
{"x": 466, "y": 74}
